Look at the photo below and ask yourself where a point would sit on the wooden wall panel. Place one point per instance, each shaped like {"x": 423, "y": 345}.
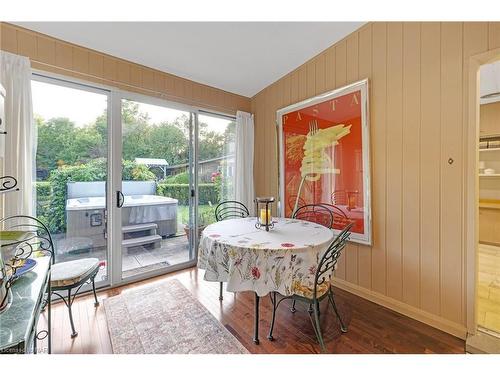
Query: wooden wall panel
{"x": 365, "y": 70}
{"x": 378, "y": 136}
{"x": 430, "y": 168}
{"x": 451, "y": 181}
{"x": 411, "y": 164}
{"x": 56, "y": 56}
{"x": 394, "y": 133}
{"x": 418, "y": 87}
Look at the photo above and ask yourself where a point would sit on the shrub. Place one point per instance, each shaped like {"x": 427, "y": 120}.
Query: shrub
{"x": 206, "y": 193}
{"x": 43, "y": 197}
{"x": 180, "y": 178}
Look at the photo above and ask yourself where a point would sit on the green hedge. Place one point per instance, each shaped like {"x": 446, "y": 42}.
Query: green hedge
{"x": 43, "y": 197}
{"x": 206, "y": 193}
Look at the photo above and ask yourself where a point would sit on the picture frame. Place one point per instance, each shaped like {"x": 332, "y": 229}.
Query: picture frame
{"x": 324, "y": 157}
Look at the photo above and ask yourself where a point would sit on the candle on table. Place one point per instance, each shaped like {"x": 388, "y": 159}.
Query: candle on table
{"x": 265, "y": 219}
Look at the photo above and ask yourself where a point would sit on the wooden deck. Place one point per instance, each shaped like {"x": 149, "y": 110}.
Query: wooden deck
{"x": 372, "y": 328}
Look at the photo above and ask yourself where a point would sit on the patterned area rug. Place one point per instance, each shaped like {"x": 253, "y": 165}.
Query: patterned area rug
{"x": 165, "y": 319}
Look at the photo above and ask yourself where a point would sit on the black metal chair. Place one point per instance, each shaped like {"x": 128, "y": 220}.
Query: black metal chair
{"x": 230, "y": 210}
{"x": 340, "y": 219}
{"x": 316, "y": 213}
{"x": 73, "y": 275}
{"x": 321, "y": 287}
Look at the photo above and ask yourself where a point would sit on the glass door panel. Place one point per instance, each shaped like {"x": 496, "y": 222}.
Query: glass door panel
{"x": 72, "y": 168}
{"x": 216, "y": 164}
{"x": 156, "y": 186}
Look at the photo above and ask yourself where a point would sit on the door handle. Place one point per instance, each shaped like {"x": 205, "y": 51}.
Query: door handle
{"x": 119, "y": 199}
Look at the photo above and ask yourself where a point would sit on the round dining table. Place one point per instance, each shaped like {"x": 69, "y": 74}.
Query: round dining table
{"x": 283, "y": 259}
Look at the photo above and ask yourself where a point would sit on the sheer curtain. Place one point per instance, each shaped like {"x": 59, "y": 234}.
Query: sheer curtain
{"x": 20, "y": 142}
{"x": 243, "y": 177}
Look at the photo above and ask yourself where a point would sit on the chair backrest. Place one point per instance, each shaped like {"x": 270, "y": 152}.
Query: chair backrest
{"x": 38, "y": 236}
{"x": 230, "y": 210}
{"x": 326, "y": 265}
{"x": 316, "y": 213}
{"x": 340, "y": 219}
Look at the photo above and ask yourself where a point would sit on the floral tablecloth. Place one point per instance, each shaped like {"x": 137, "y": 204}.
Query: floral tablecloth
{"x": 250, "y": 259}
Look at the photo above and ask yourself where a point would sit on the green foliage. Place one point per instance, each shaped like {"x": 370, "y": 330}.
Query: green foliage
{"x": 180, "y": 178}
{"x": 60, "y": 142}
{"x": 43, "y": 197}
{"x": 206, "y": 193}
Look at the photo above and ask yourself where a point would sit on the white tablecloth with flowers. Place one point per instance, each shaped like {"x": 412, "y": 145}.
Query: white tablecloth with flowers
{"x": 282, "y": 260}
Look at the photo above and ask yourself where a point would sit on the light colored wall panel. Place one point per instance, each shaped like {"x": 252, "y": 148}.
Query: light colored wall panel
{"x": 46, "y": 50}
{"x": 378, "y": 135}
{"x": 64, "y": 56}
{"x": 418, "y": 88}
{"x": 493, "y": 35}
{"x": 451, "y": 181}
{"x": 365, "y": 71}
{"x": 9, "y": 39}
{"x": 26, "y": 45}
{"x": 394, "y": 133}
{"x": 411, "y": 164}
{"x": 56, "y": 56}
{"x": 430, "y": 167}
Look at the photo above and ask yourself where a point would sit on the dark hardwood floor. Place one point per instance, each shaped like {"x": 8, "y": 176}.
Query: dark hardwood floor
{"x": 372, "y": 328}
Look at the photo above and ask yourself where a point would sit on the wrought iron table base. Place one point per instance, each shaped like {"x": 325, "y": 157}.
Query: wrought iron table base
{"x": 256, "y": 321}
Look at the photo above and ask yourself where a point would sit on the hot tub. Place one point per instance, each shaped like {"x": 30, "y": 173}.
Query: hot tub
{"x": 86, "y": 203}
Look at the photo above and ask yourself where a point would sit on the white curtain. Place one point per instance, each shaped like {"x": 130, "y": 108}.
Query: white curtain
{"x": 19, "y": 150}
{"x": 243, "y": 177}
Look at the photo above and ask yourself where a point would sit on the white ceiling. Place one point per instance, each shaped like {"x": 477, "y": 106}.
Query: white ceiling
{"x": 242, "y": 58}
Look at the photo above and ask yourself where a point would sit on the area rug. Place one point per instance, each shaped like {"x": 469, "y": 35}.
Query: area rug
{"x": 164, "y": 318}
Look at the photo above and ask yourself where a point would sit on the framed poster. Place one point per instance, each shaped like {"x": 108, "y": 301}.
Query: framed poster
{"x": 325, "y": 157}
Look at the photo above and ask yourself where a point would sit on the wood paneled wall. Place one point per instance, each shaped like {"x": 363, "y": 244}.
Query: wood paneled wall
{"x": 418, "y": 118}
{"x": 54, "y": 55}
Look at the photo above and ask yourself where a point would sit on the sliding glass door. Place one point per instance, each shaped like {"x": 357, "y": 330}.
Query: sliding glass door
{"x": 126, "y": 178}
{"x": 157, "y": 188}
{"x": 72, "y": 168}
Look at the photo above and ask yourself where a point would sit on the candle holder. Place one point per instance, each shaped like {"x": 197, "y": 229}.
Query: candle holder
{"x": 263, "y": 213}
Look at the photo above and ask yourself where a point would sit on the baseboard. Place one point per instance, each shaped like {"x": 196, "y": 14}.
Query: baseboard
{"x": 482, "y": 343}
{"x": 422, "y": 316}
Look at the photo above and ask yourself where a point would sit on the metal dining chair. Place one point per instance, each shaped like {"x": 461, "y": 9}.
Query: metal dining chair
{"x": 230, "y": 210}
{"x": 316, "y": 213}
{"x": 321, "y": 288}
{"x": 340, "y": 219}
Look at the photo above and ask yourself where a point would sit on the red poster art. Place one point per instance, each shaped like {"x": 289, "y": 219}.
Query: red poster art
{"x": 324, "y": 157}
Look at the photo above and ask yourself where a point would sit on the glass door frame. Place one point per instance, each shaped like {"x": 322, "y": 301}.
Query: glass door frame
{"x": 116, "y": 185}
{"x": 59, "y": 80}
{"x": 114, "y": 169}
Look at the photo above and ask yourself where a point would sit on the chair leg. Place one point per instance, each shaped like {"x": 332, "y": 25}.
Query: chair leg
{"x": 343, "y": 328}
{"x": 96, "y": 303}
{"x": 318, "y": 327}
{"x": 273, "y": 301}
{"x": 293, "y": 307}
{"x": 221, "y": 297}
{"x": 70, "y": 302}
